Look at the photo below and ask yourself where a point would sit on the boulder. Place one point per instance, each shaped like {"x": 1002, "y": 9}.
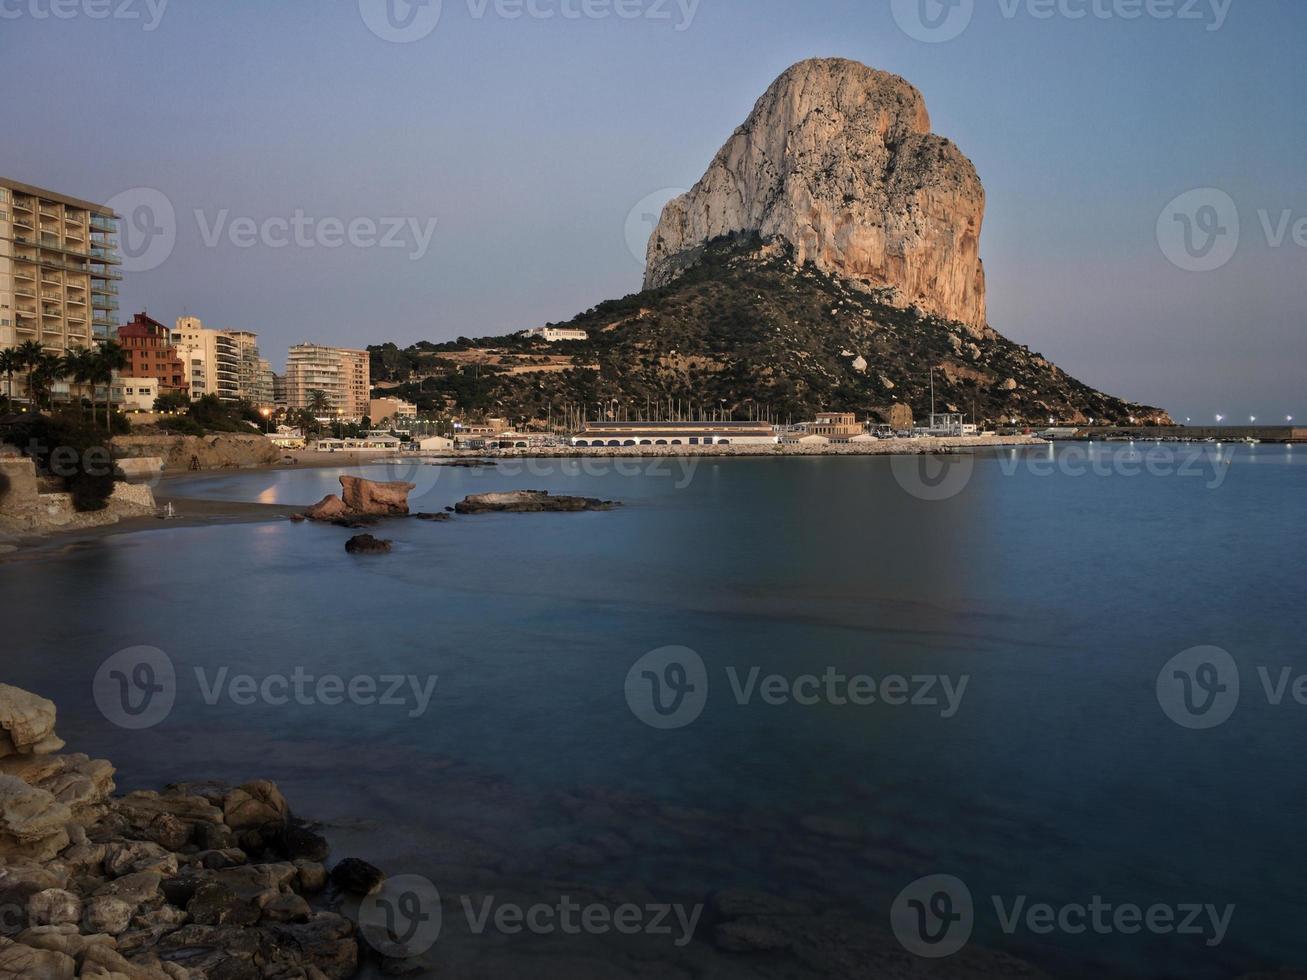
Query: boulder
{"x": 355, "y": 877}
{"x": 25, "y": 719}
{"x": 256, "y": 806}
{"x": 366, "y": 544}
{"x": 18, "y": 962}
{"x": 329, "y": 508}
{"x": 32, "y": 822}
{"x": 54, "y": 907}
{"x": 371, "y": 499}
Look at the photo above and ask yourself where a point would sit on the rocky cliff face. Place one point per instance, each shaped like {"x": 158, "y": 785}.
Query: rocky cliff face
{"x": 838, "y": 159}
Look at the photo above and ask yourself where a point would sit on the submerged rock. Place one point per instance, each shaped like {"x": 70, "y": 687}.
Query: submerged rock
{"x": 366, "y": 544}
{"x": 528, "y": 502}
{"x": 355, "y": 877}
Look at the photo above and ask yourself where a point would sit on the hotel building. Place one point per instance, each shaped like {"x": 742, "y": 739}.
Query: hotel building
{"x": 58, "y": 275}
{"x": 344, "y": 375}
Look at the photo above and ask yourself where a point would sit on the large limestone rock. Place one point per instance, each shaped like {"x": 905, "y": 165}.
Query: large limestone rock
{"x": 838, "y": 159}
{"x": 372, "y": 499}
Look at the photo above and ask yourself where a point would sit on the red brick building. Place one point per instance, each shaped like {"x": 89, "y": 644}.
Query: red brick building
{"x": 150, "y": 354}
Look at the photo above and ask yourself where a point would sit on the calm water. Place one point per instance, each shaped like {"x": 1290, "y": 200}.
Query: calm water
{"x": 1057, "y": 585}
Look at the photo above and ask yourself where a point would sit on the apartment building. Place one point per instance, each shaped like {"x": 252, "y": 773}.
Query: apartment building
{"x": 147, "y": 344}
{"x": 58, "y": 275}
{"x": 213, "y": 358}
{"x": 343, "y": 375}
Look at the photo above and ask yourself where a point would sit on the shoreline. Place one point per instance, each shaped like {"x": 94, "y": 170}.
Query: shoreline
{"x": 206, "y": 512}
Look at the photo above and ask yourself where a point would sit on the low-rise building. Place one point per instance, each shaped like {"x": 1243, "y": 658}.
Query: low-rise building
{"x": 556, "y": 335}
{"x": 395, "y": 409}
{"x": 836, "y": 426}
{"x": 617, "y": 434}
{"x": 373, "y": 442}
{"x": 134, "y": 394}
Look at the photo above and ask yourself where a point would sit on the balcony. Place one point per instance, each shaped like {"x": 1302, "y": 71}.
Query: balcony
{"x": 23, "y": 204}
{"x": 100, "y": 223}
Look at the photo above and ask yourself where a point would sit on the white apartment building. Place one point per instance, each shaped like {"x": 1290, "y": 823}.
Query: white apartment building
{"x": 342, "y": 374}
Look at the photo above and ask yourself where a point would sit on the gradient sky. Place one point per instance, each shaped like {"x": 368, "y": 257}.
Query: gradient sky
{"x": 530, "y": 140}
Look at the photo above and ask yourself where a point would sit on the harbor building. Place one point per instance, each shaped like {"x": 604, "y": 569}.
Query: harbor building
{"x": 617, "y": 434}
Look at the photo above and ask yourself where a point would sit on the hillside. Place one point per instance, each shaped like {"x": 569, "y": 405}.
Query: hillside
{"x": 747, "y": 329}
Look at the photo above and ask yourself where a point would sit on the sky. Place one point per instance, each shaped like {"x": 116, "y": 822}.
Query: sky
{"x": 360, "y": 171}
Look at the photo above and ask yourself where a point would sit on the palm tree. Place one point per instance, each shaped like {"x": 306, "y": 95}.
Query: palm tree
{"x": 29, "y": 354}
{"x": 9, "y": 363}
{"x": 110, "y": 357}
{"x": 48, "y": 369}
{"x": 79, "y": 367}
{"x": 319, "y": 402}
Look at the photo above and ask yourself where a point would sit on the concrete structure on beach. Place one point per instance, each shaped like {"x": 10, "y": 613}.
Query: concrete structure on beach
{"x": 615, "y": 434}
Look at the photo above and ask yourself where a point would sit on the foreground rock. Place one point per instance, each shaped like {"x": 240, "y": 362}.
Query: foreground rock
{"x": 198, "y": 882}
{"x": 362, "y": 498}
{"x": 838, "y": 160}
{"x": 528, "y": 502}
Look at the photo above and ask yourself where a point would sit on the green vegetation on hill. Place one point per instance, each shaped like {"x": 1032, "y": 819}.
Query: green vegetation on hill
{"x": 744, "y": 329}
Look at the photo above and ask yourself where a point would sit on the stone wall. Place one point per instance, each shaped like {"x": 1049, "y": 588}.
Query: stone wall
{"x": 25, "y": 510}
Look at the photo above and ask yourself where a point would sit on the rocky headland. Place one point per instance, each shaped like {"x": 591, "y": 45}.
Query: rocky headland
{"x": 838, "y": 160}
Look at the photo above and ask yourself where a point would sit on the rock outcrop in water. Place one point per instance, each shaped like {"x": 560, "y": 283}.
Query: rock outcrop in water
{"x": 528, "y": 502}
{"x": 198, "y": 882}
{"x": 362, "y": 498}
{"x": 839, "y": 161}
